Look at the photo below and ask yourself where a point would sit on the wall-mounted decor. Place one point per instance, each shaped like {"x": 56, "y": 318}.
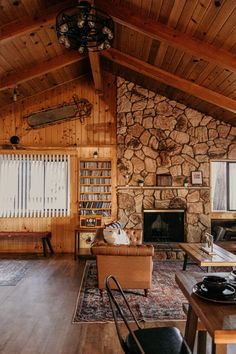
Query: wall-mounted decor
{"x": 196, "y": 178}
{"x": 77, "y": 109}
{"x": 164, "y": 179}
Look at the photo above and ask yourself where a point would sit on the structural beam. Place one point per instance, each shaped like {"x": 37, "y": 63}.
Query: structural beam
{"x": 40, "y": 69}
{"x": 27, "y": 24}
{"x": 156, "y": 30}
{"x": 170, "y": 79}
{"x": 94, "y": 58}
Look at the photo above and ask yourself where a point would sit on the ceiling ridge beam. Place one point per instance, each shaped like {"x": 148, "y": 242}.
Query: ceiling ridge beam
{"x": 156, "y": 30}
{"x": 39, "y": 69}
{"x": 17, "y": 28}
{"x": 170, "y": 79}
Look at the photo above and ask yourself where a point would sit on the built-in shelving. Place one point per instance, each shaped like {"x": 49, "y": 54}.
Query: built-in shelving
{"x": 95, "y": 196}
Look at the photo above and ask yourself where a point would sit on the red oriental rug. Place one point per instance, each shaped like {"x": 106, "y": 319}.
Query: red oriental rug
{"x": 163, "y": 303}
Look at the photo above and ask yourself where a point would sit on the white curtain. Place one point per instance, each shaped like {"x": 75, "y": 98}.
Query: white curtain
{"x": 34, "y": 185}
{"x": 218, "y": 186}
{"x": 232, "y": 186}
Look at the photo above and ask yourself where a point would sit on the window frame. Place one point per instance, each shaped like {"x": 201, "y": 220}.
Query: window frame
{"x": 227, "y": 176}
{"x": 46, "y": 212}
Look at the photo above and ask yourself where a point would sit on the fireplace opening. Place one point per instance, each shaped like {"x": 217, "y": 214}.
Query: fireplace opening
{"x": 163, "y": 225}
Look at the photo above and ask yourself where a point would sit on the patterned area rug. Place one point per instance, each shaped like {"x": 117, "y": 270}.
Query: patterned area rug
{"x": 163, "y": 303}
{"x": 12, "y": 271}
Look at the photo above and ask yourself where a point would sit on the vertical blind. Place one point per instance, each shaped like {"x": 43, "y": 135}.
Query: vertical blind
{"x": 34, "y": 185}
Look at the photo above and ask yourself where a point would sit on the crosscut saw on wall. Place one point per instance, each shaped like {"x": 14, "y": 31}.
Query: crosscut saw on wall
{"x": 79, "y": 109}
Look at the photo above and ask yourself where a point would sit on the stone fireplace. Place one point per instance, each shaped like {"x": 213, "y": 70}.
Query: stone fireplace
{"x": 157, "y": 136}
{"x": 163, "y": 226}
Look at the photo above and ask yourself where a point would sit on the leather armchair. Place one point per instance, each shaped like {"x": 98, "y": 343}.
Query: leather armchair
{"x": 131, "y": 264}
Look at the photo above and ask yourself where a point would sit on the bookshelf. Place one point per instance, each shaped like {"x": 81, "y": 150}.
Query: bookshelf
{"x": 95, "y": 192}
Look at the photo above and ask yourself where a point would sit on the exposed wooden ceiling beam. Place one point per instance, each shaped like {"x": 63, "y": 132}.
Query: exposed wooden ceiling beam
{"x": 27, "y": 24}
{"x": 94, "y": 58}
{"x": 156, "y": 30}
{"x": 170, "y": 79}
{"x": 40, "y": 69}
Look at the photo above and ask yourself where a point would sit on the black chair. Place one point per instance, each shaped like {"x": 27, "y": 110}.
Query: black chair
{"x": 220, "y": 233}
{"x": 158, "y": 340}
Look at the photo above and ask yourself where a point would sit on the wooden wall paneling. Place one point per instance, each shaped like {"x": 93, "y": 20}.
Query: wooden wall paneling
{"x": 4, "y": 64}
{"x": 186, "y": 15}
{"x": 204, "y": 74}
{"x": 161, "y": 54}
{"x": 52, "y": 38}
{"x": 175, "y": 61}
{"x": 198, "y": 69}
{"x": 221, "y": 17}
{"x": 185, "y": 60}
{"x": 60, "y": 131}
{"x": 49, "y": 137}
{"x": 78, "y": 126}
{"x": 219, "y": 79}
{"x": 166, "y": 9}
{"x": 229, "y": 85}
{"x": 110, "y": 109}
{"x": 191, "y": 27}
{"x": 155, "y": 9}
{"x": 212, "y": 76}
{"x": 8, "y": 56}
{"x": 225, "y": 29}
{"x": 94, "y": 138}
{"x": 197, "y": 16}
{"x": 208, "y": 21}
{"x": 170, "y": 54}
{"x": 229, "y": 43}
{"x": 172, "y": 22}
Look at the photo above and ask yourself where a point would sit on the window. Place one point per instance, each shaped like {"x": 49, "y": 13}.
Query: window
{"x": 223, "y": 186}
{"x": 34, "y": 185}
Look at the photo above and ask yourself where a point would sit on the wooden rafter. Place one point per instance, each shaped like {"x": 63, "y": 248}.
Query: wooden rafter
{"x": 94, "y": 58}
{"x": 170, "y": 79}
{"x": 156, "y": 30}
{"x": 40, "y": 69}
{"x": 27, "y": 24}
{"x": 128, "y": 18}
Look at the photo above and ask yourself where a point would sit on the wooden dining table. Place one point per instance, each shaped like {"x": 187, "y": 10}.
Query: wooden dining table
{"x": 219, "y": 319}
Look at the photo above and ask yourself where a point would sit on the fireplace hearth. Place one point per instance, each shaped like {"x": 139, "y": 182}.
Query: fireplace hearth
{"x": 163, "y": 225}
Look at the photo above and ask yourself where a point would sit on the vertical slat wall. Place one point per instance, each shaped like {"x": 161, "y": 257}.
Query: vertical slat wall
{"x": 79, "y": 140}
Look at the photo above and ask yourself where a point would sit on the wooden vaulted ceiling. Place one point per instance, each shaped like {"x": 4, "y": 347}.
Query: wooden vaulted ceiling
{"x": 183, "y": 49}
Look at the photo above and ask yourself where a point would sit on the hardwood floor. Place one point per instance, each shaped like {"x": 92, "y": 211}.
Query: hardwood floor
{"x": 36, "y": 314}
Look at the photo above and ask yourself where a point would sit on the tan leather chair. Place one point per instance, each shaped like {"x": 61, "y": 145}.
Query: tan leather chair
{"x": 131, "y": 264}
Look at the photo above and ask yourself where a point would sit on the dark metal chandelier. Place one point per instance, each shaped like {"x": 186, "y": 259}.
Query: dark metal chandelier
{"x": 84, "y": 27}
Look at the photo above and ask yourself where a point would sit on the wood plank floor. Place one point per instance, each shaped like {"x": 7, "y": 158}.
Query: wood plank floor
{"x": 36, "y": 314}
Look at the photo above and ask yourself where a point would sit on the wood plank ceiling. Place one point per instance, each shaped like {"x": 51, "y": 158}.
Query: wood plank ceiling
{"x": 183, "y": 49}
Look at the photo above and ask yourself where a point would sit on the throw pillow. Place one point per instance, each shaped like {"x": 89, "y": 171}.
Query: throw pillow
{"x": 116, "y": 236}
{"x": 115, "y": 224}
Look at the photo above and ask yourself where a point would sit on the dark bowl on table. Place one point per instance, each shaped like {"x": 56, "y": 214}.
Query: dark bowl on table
{"x": 214, "y": 282}
{"x": 233, "y": 274}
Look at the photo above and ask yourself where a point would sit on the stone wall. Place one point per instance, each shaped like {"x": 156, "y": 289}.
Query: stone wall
{"x": 156, "y": 135}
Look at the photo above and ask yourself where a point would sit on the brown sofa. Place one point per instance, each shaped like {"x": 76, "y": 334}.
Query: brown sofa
{"x": 131, "y": 264}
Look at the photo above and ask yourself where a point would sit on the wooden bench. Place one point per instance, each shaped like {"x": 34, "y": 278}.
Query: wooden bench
{"x": 44, "y": 236}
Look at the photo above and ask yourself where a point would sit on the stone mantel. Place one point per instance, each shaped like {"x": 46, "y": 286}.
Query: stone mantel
{"x": 163, "y": 187}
